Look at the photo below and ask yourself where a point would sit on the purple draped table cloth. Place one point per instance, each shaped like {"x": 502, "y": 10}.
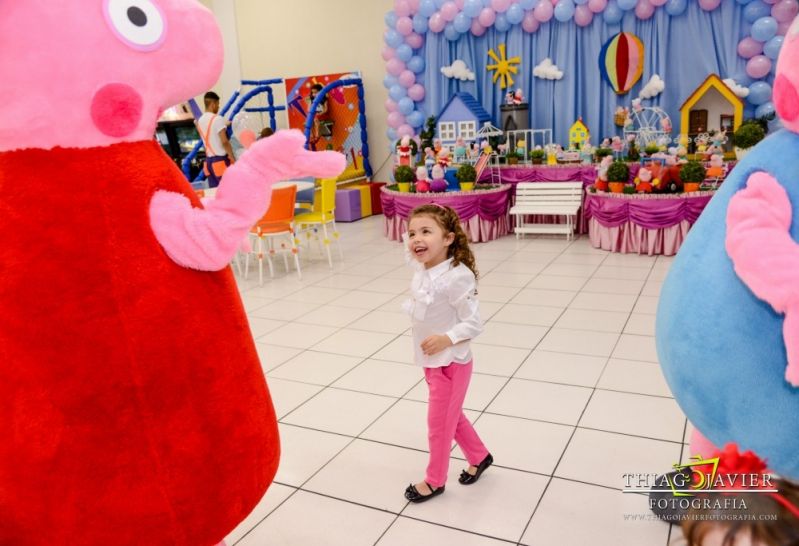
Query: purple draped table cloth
{"x": 483, "y": 213}
{"x": 640, "y": 223}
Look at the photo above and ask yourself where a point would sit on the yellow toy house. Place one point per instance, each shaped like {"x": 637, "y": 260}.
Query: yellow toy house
{"x": 578, "y": 135}
{"x": 712, "y": 106}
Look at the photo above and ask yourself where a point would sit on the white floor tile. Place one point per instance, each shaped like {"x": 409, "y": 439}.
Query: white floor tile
{"x": 383, "y": 321}
{"x": 294, "y": 334}
{"x": 546, "y": 281}
{"x": 339, "y": 411}
{"x": 398, "y": 350}
{"x": 636, "y": 377}
{"x": 363, "y": 299}
{"x": 407, "y": 531}
{"x": 303, "y": 452}
{"x": 583, "y": 342}
{"x": 496, "y": 278}
{"x": 613, "y": 286}
{"x": 552, "y": 298}
{"x": 354, "y": 342}
{"x": 381, "y": 377}
{"x": 332, "y": 315}
{"x": 405, "y": 424}
{"x": 497, "y": 360}
{"x": 274, "y": 355}
{"x": 288, "y": 395}
{"x": 341, "y": 281}
{"x": 274, "y": 496}
{"x": 636, "y": 348}
{"x": 315, "y": 367}
{"x": 636, "y": 414}
{"x": 603, "y": 302}
{"x": 289, "y": 524}
{"x": 386, "y": 285}
{"x": 570, "y": 369}
{"x": 599, "y": 321}
{"x": 500, "y": 294}
{"x": 261, "y": 326}
{"x": 582, "y": 271}
{"x": 285, "y": 310}
{"x": 624, "y": 272}
{"x": 251, "y": 303}
{"x": 646, "y": 304}
{"x": 640, "y": 324}
{"x": 535, "y": 315}
{"x": 505, "y": 334}
{"x": 318, "y": 295}
{"x": 543, "y": 401}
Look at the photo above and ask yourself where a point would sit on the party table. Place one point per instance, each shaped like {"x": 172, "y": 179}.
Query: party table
{"x": 642, "y": 223}
{"x": 483, "y": 213}
{"x": 513, "y": 174}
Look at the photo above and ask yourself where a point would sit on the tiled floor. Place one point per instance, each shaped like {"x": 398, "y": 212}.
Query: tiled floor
{"x": 567, "y": 394}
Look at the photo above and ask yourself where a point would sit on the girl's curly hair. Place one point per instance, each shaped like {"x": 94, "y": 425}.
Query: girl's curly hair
{"x": 448, "y": 219}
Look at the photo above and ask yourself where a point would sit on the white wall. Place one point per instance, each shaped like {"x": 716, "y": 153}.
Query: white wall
{"x": 281, "y": 39}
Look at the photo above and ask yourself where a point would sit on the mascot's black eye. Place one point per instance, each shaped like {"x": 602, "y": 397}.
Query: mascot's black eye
{"x": 137, "y": 16}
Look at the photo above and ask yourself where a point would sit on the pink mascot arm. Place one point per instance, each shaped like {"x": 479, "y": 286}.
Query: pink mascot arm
{"x": 206, "y": 239}
{"x": 765, "y": 256}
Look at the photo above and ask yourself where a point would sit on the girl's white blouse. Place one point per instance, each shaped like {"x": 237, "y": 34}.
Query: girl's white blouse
{"x": 443, "y": 301}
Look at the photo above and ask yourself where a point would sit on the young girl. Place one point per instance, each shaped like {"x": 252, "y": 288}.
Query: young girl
{"x": 445, "y": 316}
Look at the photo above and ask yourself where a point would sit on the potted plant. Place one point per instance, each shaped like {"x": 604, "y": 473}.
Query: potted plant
{"x": 602, "y": 153}
{"x": 466, "y": 175}
{"x": 513, "y": 158}
{"x": 404, "y": 176}
{"x": 651, "y": 149}
{"x": 618, "y": 176}
{"x": 537, "y": 156}
{"x": 747, "y": 136}
{"x": 692, "y": 174}
{"x": 632, "y": 152}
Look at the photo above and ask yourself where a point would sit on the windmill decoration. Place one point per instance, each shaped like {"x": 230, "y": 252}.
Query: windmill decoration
{"x": 503, "y": 67}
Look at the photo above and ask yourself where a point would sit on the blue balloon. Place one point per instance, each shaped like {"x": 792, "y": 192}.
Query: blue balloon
{"x": 580, "y": 2}
{"x": 764, "y": 29}
{"x": 390, "y": 81}
{"x": 627, "y": 5}
{"x": 405, "y": 106}
{"x": 416, "y": 64}
{"x": 773, "y": 47}
{"x": 515, "y": 14}
{"x": 391, "y": 133}
{"x": 420, "y": 24}
{"x": 397, "y": 92}
{"x": 390, "y": 19}
{"x": 759, "y": 93}
{"x": 765, "y": 110}
{"x": 427, "y": 7}
{"x": 462, "y": 23}
{"x": 613, "y": 13}
{"x": 472, "y": 8}
{"x": 676, "y": 7}
{"x": 393, "y": 38}
{"x": 404, "y": 53}
{"x": 487, "y": 3}
{"x": 742, "y": 78}
{"x": 564, "y": 10}
{"x": 451, "y": 33}
{"x": 440, "y": 3}
{"x": 743, "y": 2}
{"x": 501, "y": 24}
{"x": 529, "y": 4}
{"x": 415, "y": 119}
{"x": 756, "y": 10}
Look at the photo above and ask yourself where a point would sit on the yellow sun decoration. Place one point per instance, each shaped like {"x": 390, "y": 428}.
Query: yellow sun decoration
{"x": 503, "y": 67}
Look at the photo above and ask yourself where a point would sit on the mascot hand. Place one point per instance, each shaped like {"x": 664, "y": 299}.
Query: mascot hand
{"x": 764, "y": 255}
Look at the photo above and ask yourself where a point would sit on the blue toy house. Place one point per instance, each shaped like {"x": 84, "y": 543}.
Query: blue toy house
{"x": 461, "y": 117}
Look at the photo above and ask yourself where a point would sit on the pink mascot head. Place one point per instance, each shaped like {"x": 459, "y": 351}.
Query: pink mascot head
{"x": 786, "y": 86}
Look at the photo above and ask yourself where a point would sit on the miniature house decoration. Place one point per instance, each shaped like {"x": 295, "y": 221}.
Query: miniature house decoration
{"x": 460, "y": 118}
{"x": 708, "y": 106}
{"x": 578, "y": 135}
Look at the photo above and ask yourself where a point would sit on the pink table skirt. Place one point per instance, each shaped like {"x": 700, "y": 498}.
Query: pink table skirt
{"x": 477, "y": 229}
{"x": 630, "y": 238}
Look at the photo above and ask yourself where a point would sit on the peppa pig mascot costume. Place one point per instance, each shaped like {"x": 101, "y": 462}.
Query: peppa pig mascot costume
{"x": 727, "y": 329}
{"x": 133, "y": 408}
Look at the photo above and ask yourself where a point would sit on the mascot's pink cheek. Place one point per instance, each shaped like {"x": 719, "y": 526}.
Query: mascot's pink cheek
{"x": 117, "y": 109}
{"x": 786, "y": 99}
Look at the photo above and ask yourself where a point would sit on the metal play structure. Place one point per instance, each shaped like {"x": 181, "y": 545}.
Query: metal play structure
{"x": 647, "y": 126}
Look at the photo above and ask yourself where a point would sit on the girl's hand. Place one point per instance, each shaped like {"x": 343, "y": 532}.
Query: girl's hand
{"x": 435, "y": 344}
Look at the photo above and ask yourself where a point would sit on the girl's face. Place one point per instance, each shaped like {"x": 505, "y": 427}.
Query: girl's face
{"x": 427, "y": 241}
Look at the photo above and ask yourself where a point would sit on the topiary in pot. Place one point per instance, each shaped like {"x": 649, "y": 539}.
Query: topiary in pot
{"x": 537, "y": 156}
{"x": 651, "y": 149}
{"x": 404, "y": 176}
{"x": 692, "y": 174}
{"x": 466, "y": 175}
{"x": 618, "y": 176}
{"x": 747, "y": 136}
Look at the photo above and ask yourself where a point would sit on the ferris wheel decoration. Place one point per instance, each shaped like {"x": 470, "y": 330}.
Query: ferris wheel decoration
{"x": 648, "y": 125}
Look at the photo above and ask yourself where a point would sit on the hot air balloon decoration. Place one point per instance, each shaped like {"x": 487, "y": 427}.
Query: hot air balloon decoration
{"x": 621, "y": 61}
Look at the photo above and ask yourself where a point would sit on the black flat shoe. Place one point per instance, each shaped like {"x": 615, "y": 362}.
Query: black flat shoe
{"x": 413, "y": 495}
{"x": 468, "y": 479}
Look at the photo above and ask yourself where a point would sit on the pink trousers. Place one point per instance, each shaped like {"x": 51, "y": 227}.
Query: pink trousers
{"x": 446, "y": 421}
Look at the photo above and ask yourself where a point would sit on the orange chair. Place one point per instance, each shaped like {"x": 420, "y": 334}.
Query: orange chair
{"x": 276, "y": 223}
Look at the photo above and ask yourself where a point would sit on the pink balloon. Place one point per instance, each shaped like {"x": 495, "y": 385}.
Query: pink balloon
{"x": 782, "y": 28}
{"x": 583, "y": 15}
{"x": 597, "y": 6}
{"x": 414, "y": 4}
{"x": 436, "y": 22}
{"x": 407, "y": 78}
{"x": 414, "y": 40}
{"x": 395, "y": 119}
{"x": 387, "y": 53}
{"x": 544, "y": 11}
{"x": 658, "y": 3}
{"x": 530, "y": 23}
{"x": 404, "y": 25}
{"x": 448, "y": 11}
{"x": 460, "y": 3}
{"x": 402, "y": 8}
{"x": 477, "y": 28}
{"x": 395, "y": 67}
{"x": 500, "y": 6}
{"x": 487, "y": 17}
{"x": 709, "y": 5}
{"x": 770, "y": 1}
{"x": 391, "y": 106}
{"x": 247, "y": 137}
{"x": 785, "y": 11}
{"x": 405, "y": 130}
{"x": 749, "y": 47}
{"x": 758, "y": 66}
{"x": 416, "y": 92}
{"x": 644, "y": 9}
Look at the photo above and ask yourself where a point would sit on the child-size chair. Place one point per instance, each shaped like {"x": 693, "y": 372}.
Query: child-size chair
{"x": 276, "y": 223}
{"x": 321, "y": 218}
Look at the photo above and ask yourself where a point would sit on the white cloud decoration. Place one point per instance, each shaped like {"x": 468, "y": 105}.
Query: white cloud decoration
{"x": 547, "y": 70}
{"x": 459, "y": 70}
{"x": 653, "y": 88}
{"x": 737, "y": 88}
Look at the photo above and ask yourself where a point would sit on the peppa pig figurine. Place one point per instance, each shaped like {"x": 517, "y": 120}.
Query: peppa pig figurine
{"x": 716, "y": 168}
{"x": 737, "y": 271}
{"x": 438, "y": 184}
{"x": 404, "y": 151}
{"x": 133, "y": 406}
{"x": 422, "y": 181}
{"x": 644, "y": 182}
{"x": 443, "y": 158}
